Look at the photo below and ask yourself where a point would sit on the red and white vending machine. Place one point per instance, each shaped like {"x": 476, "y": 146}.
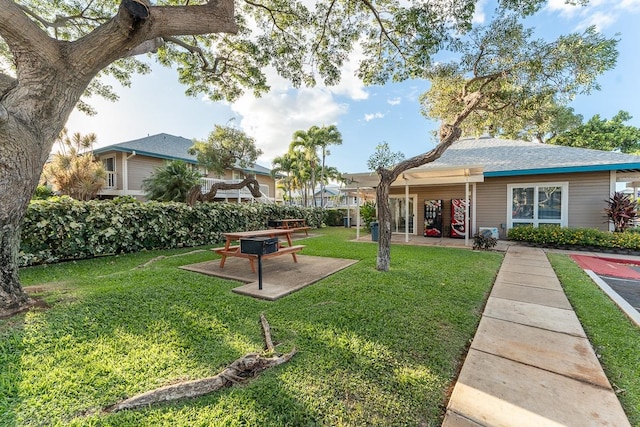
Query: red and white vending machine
{"x": 458, "y": 213}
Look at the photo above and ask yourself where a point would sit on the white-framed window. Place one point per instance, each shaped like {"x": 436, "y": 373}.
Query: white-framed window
{"x": 538, "y": 204}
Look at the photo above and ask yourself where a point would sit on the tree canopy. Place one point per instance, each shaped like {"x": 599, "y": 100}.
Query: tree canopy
{"x": 602, "y": 134}
{"x": 226, "y": 148}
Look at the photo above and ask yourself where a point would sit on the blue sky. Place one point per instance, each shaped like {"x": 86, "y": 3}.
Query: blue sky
{"x": 366, "y": 116}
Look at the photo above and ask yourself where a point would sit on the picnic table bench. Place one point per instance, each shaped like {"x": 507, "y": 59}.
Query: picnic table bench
{"x": 294, "y": 224}
{"x": 234, "y": 250}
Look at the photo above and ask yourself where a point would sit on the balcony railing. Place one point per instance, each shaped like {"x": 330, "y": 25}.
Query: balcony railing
{"x": 112, "y": 182}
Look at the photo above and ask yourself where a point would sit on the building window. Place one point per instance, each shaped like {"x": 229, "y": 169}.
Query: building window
{"x": 544, "y": 204}
{"x": 109, "y": 164}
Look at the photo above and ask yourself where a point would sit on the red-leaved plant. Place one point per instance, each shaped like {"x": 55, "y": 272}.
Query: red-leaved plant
{"x": 621, "y": 210}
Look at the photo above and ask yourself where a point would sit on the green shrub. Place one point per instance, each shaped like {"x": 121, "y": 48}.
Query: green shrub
{"x": 42, "y": 193}
{"x": 484, "y": 241}
{"x": 588, "y": 237}
{"x": 368, "y": 213}
{"x": 61, "y": 228}
{"x": 335, "y": 217}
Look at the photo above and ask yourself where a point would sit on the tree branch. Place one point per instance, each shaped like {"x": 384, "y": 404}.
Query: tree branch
{"x": 25, "y": 39}
{"x": 125, "y": 32}
{"x": 239, "y": 371}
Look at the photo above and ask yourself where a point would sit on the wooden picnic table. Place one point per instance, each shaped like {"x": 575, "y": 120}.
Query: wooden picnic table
{"x": 295, "y": 224}
{"x": 234, "y": 250}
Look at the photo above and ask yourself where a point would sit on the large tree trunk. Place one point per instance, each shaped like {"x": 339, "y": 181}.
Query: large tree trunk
{"x": 448, "y": 135}
{"x": 383, "y": 261}
{"x": 50, "y": 77}
{"x": 19, "y": 175}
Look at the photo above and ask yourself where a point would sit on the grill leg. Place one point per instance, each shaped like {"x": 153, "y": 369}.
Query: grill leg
{"x": 259, "y": 272}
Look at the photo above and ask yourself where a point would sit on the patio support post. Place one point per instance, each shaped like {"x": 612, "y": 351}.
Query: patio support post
{"x": 612, "y": 189}
{"x": 357, "y": 213}
{"x": 466, "y": 211}
{"x": 406, "y": 209}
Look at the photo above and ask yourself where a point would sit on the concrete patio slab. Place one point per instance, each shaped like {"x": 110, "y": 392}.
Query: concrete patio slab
{"x": 280, "y": 275}
{"x": 562, "y": 354}
{"x": 550, "y": 318}
{"x": 494, "y": 391}
{"x": 532, "y": 294}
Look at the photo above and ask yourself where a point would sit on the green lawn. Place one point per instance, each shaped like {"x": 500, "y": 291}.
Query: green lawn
{"x": 615, "y": 339}
{"x": 373, "y": 348}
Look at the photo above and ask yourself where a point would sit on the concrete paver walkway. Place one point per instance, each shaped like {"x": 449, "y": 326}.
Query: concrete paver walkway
{"x": 530, "y": 362}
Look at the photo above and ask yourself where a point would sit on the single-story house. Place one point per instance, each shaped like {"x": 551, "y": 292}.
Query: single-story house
{"x": 496, "y": 184}
{"x": 129, "y": 163}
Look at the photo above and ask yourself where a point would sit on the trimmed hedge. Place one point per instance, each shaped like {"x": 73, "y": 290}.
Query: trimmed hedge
{"x": 581, "y": 237}
{"x": 61, "y": 228}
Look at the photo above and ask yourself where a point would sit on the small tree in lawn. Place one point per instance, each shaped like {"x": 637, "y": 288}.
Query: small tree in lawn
{"x": 621, "y": 210}
{"x": 225, "y": 148}
{"x": 501, "y": 73}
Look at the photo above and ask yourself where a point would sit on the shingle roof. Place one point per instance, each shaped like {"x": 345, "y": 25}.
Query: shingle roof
{"x": 502, "y": 157}
{"x": 165, "y": 146}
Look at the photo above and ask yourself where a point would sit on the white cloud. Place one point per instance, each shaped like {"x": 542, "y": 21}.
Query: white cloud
{"x": 369, "y": 117}
{"x": 273, "y": 118}
{"x": 600, "y": 13}
{"x": 478, "y": 14}
{"x": 629, "y": 5}
{"x": 394, "y": 101}
{"x": 567, "y": 10}
{"x": 599, "y": 19}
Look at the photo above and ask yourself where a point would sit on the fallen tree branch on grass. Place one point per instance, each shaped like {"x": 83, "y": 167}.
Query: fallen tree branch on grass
{"x": 241, "y": 370}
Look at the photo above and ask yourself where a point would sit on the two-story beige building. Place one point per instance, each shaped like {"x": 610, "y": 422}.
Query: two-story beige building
{"x": 129, "y": 163}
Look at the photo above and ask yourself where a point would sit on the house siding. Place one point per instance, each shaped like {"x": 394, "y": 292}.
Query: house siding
{"x": 586, "y": 191}
{"x": 140, "y": 168}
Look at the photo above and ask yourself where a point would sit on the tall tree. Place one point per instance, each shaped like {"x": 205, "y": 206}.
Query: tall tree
{"x": 73, "y": 170}
{"x": 306, "y": 143}
{"x": 53, "y": 53}
{"x": 602, "y": 134}
{"x": 284, "y": 165}
{"x": 226, "y": 148}
{"x": 541, "y": 124}
{"x": 327, "y": 136}
{"x": 501, "y": 71}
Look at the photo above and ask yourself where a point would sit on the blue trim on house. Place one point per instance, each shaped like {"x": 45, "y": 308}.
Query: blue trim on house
{"x": 112, "y": 148}
{"x": 568, "y": 169}
{"x": 142, "y": 153}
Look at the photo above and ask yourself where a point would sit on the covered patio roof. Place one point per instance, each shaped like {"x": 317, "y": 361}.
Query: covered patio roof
{"x": 419, "y": 176}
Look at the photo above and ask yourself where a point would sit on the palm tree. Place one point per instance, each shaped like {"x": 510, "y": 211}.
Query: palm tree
{"x": 304, "y": 142}
{"x": 284, "y": 165}
{"x": 327, "y": 135}
{"x": 73, "y": 170}
{"x": 171, "y": 182}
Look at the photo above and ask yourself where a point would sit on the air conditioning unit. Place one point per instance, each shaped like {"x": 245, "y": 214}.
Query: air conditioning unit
{"x": 490, "y": 232}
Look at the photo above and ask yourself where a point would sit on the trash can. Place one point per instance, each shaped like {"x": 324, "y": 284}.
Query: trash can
{"x": 374, "y": 230}
{"x": 347, "y": 221}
